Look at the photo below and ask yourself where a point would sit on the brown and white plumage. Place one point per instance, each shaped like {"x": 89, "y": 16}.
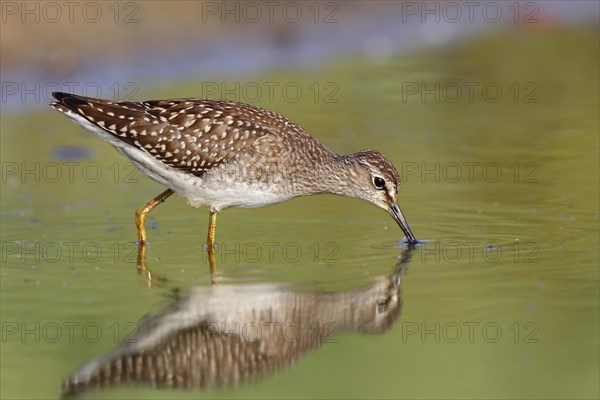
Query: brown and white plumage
{"x": 192, "y": 135}
{"x": 223, "y": 154}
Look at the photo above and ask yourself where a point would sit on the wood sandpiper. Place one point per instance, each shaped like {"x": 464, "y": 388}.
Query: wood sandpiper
{"x": 220, "y": 154}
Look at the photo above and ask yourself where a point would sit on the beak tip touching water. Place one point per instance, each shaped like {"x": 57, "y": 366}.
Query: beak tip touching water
{"x": 401, "y": 221}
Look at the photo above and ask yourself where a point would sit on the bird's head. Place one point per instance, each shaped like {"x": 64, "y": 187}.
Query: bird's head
{"x": 376, "y": 180}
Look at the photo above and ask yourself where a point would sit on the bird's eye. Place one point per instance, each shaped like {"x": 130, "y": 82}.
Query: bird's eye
{"x": 378, "y": 182}
{"x": 382, "y": 307}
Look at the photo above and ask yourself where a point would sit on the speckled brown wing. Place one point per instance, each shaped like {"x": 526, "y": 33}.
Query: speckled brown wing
{"x": 191, "y": 135}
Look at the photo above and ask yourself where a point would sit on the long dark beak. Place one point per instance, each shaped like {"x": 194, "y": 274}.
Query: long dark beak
{"x": 401, "y": 221}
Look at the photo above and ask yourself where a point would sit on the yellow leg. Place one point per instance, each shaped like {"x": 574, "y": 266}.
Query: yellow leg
{"x": 142, "y": 212}
{"x": 210, "y": 243}
{"x": 140, "y": 220}
{"x": 212, "y": 226}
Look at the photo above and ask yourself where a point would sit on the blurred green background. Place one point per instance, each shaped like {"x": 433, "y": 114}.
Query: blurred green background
{"x": 492, "y": 122}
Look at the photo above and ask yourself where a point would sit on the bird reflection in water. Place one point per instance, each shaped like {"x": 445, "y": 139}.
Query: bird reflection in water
{"x": 227, "y": 335}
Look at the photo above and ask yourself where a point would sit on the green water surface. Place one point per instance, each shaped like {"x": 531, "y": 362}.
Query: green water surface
{"x": 500, "y": 301}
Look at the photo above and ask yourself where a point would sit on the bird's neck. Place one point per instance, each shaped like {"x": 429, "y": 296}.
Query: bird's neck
{"x": 335, "y": 175}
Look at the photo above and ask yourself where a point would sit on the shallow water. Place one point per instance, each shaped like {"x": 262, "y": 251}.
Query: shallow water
{"x": 500, "y": 300}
